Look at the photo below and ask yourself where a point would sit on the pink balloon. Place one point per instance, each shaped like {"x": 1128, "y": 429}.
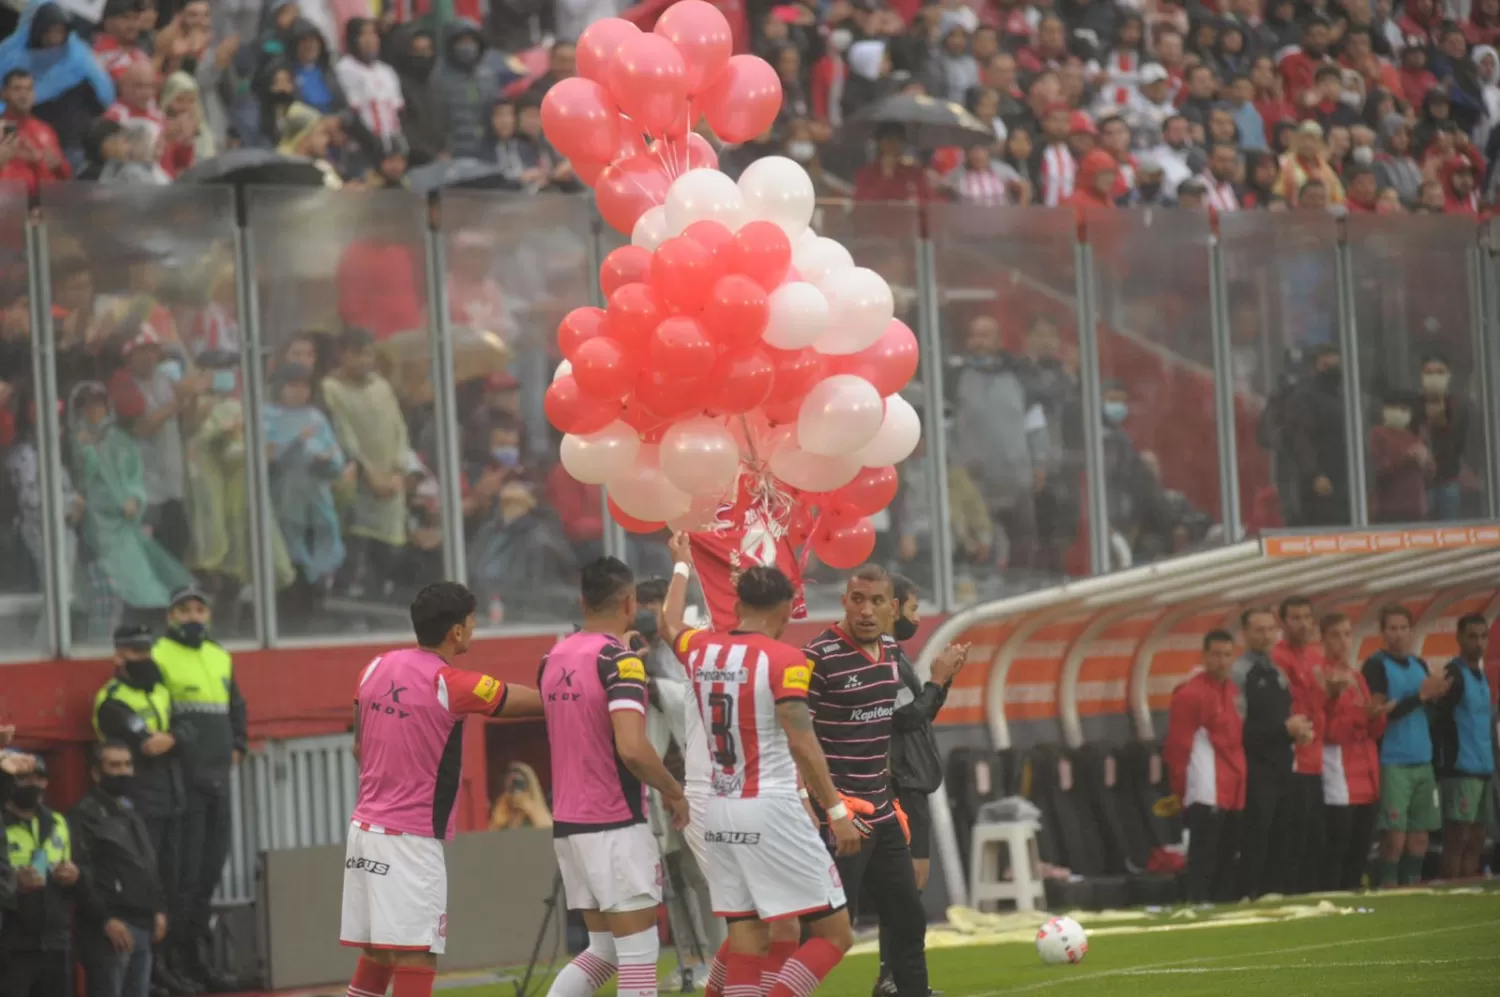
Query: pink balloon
{"x": 678, "y": 155}
{"x": 743, "y": 100}
{"x": 632, "y": 143}
{"x": 625, "y": 190}
{"x": 703, "y": 37}
{"x": 598, "y": 44}
{"x": 888, "y": 363}
{"x": 844, "y": 543}
{"x": 649, "y": 80}
{"x": 579, "y": 119}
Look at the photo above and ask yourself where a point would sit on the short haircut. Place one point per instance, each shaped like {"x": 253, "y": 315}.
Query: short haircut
{"x": 1331, "y": 620}
{"x": 1394, "y": 609}
{"x": 651, "y": 590}
{"x": 1354, "y": 171}
{"x": 1255, "y": 611}
{"x": 902, "y": 588}
{"x": 764, "y": 587}
{"x": 1311, "y": 185}
{"x": 1324, "y": 72}
{"x": 97, "y": 755}
{"x": 871, "y": 573}
{"x": 1292, "y": 602}
{"x": 354, "y": 340}
{"x": 438, "y": 608}
{"x": 1469, "y": 620}
{"x": 605, "y": 581}
{"x": 15, "y": 74}
{"x": 1217, "y": 637}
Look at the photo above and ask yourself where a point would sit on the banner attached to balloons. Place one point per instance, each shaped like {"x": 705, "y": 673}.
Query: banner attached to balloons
{"x": 743, "y": 370}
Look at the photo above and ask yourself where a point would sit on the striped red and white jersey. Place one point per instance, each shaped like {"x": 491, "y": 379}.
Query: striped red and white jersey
{"x": 738, "y": 678}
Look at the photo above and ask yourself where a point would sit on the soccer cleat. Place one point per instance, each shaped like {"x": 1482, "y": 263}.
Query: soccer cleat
{"x": 885, "y": 986}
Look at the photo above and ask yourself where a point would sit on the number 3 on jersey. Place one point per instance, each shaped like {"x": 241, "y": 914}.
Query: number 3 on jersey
{"x": 721, "y": 725}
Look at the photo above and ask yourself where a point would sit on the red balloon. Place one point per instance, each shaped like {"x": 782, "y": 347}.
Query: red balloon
{"x": 873, "y": 490}
{"x": 680, "y": 350}
{"x": 571, "y": 411}
{"x": 844, "y": 543}
{"x": 603, "y": 369}
{"x": 578, "y": 327}
{"x": 580, "y": 119}
{"x": 598, "y": 44}
{"x": 796, "y": 372}
{"x": 742, "y": 380}
{"x": 736, "y": 311}
{"x": 634, "y": 313}
{"x": 763, "y": 253}
{"x": 680, "y": 154}
{"x": 743, "y": 100}
{"x": 637, "y": 416}
{"x": 629, "y": 522}
{"x": 632, "y": 143}
{"x": 669, "y": 398}
{"x": 625, "y": 189}
{"x": 703, "y": 37}
{"x": 682, "y": 273}
{"x": 649, "y": 80}
{"x": 888, "y": 363}
{"x": 626, "y": 265}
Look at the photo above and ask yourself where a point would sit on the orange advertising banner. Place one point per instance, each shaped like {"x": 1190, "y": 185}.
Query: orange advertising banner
{"x": 1378, "y": 541}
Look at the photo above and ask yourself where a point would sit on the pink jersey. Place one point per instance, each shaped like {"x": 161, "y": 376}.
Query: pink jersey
{"x": 409, "y": 712}
{"x": 738, "y": 678}
{"x": 584, "y": 679}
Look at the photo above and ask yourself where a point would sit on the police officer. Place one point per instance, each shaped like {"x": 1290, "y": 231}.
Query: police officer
{"x": 34, "y": 938}
{"x": 208, "y": 720}
{"x": 115, "y": 850}
{"x": 12, "y": 764}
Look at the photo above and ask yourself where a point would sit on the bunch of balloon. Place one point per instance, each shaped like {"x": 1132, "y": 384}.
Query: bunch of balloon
{"x": 740, "y": 355}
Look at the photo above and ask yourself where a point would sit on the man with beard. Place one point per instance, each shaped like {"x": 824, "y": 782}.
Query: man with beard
{"x": 1299, "y": 68}
{"x": 1221, "y": 180}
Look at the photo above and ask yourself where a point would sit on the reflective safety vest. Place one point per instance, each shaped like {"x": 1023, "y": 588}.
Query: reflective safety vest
{"x": 27, "y": 844}
{"x": 197, "y": 678}
{"x": 153, "y": 709}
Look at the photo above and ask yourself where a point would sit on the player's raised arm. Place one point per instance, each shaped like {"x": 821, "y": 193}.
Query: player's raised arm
{"x": 675, "y": 604}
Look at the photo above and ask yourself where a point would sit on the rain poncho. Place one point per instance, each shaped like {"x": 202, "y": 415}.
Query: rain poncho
{"x": 368, "y": 422}
{"x": 54, "y": 70}
{"x": 303, "y": 468}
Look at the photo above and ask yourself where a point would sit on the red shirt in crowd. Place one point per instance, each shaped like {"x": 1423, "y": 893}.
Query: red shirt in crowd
{"x": 36, "y": 157}
{"x": 1298, "y": 70}
{"x": 115, "y": 57}
{"x": 905, "y": 182}
{"x": 1273, "y": 111}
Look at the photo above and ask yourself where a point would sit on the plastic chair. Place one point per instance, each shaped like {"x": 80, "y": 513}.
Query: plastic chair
{"x": 987, "y": 871}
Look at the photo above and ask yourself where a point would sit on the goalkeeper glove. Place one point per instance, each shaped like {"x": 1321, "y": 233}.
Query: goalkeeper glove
{"x": 901, "y": 816}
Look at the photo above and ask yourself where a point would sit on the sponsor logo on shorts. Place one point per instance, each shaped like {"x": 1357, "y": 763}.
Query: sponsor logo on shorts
{"x": 368, "y": 865}
{"x": 632, "y": 669}
{"x": 442, "y": 925}
{"x": 732, "y": 837}
{"x": 873, "y": 713}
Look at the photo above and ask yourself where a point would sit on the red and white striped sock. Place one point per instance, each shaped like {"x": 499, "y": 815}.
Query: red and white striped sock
{"x": 637, "y": 961}
{"x": 589, "y": 970}
{"x": 716, "y": 972}
{"x": 806, "y": 969}
{"x": 370, "y": 979}
{"x": 742, "y": 976}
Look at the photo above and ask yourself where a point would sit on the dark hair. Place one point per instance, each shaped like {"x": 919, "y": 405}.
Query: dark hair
{"x": 1254, "y": 611}
{"x": 1204, "y": 66}
{"x": 1320, "y": 185}
{"x": 1326, "y": 71}
{"x": 651, "y": 590}
{"x": 1436, "y": 358}
{"x": 437, "y": 609}
{"x": 1237, "y": 77}
{"x": 96, "y": 757}
{"x": 1217, "y": 637}
{"x": 764, "y": 587}
{"x": 871, "y": 573}
{"x": 1394, "y": 609}
{"x": 902, "y": 588}
{"x": 1291, "y": 602}
{"x": 605, "y": 581}
{"x": 1354, "y": 171}
{"x": 1332, "y": 620}
{"x": 354, "y": 340}
{"x": 1470, "y": 619}
{"x": 14, "y": 74}
{"x": 1216, "y": 146}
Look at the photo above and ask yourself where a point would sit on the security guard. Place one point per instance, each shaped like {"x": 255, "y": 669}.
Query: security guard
{"x": 208, "y": 720}
{"x": 34, "y": 939}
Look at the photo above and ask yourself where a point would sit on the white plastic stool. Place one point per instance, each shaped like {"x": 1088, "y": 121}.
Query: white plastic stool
{"x": 987, "y": 870}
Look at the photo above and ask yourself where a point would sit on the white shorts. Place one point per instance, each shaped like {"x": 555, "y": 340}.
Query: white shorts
{"x": 693, "y": 833}
{"x": 766, "y": 860}
{"x": 395, "y": 892}
{"x": 613, "y": 871}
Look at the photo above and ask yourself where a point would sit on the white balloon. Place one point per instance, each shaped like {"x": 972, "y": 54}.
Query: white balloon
{"x": 598, "y": 457}
{"x": 703, "y": 195}
{"x": 809, "y": 471}
{"x": 700, "y": 517}
{"x": 776, "y": 189}
{"x": 651, "y": 229}
{"x": 564, "y": 368}
{"x": 897, "y": 438}
{"x": 700, "y": 456}
{"x": 840, "y": 415}
{"x": 860, "y": 308}
{"x": 819, "y": 258}
{"x": 643, "y": 491}
{"x": 807, "y": 238}
{"x": 799, "y": 316}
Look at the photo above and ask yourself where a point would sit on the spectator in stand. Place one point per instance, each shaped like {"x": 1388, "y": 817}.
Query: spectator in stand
{"x": 1098, "y": 175}
{"x": 1431, "y": 198}
{"x": 1300, "y": 658}
{"x": 1483, "y": 26}
{"x": 1400, "y": 684}
{"x": 1394, "y": 164}
{"x": 138, "y": 88}
{"x": 891, "y": 175}
{"x": 1202, "y": 95}
{"x": 117, "y": 46}
{"x": 306, "y": 133}
{"x": 317, "y": 85}
{"x": 952, "y": 70}
{"x": 1443, "y": 422}
{"x": 1056, "y": 167}
{"x": 1487, "y": 71}
{"x": 29, "y": 150}
{"x": 1325, "y": 102}
{"x": 1401, "y": 464}
{"x": 371, "y": 87}
{"x": 105, "y": 151}
{"x": 1319, "y": 463}
{"x": 1192, "y": 194}
{"x": 1463, "y": 754}
{"x": 1122, "y": 67}
{"x": 412, "y": 52}
{"x": 562, "y": 64}
{"x": 186, "y": 139}
{"x": 1299, "y": 68}
{"x": 1150, "y": 106}
{"x": 1457, "y": 178}
{"x": 1361, "y": 189}
{"x": 580, "y": 507}
{"x": 981, "y": 181}
{"x": 1240, "y": 100}
{"x": 71, "y": 88}
{"x": 1305, "y": 162}
{"x": 1351, "y": 759}
{"x": 1150, "y": 188}
{"x": 1258, "y": 190}
{"x": 1205, "y": 757}
{"x": 468, "y": 86}
{"x": 1222, "y": 179}
{"x": 1018, "y": 154}
{"x": 1137, "y": 506}
{"x": 1270, "y": 95}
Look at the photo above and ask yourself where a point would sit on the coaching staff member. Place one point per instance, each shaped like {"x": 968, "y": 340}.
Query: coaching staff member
{"x": 853, "y": 698}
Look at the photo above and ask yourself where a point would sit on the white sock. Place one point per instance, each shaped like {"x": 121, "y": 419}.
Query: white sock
{"x": 589, "y": 970}
{"x": 638, "y": 954}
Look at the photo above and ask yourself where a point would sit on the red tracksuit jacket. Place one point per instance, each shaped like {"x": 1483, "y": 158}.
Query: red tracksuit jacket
{"x": 1304, "y": 673}
{"x": 1351, "y": 756}
{"x": 1205, "y": 744}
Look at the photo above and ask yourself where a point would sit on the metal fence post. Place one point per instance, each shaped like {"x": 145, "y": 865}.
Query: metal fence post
{"x": 616, "y": 543}
{"x": 258, "y": 478}
{"x": 56, "y": 581}
{"x": 934, "y": 403}
{"x": 445, "y": 408}
{"x": 1224, "y": 423}
{"x": 1486, "y": 308}
{"x": 1354, "y": 410}
{"x": 1091, "y": 384}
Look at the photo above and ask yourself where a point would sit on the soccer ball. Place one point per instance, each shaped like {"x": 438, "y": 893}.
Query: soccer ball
{"x": 1061, "y": 940}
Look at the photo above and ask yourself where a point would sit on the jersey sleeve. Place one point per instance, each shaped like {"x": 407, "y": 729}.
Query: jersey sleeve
{"x": 791, "y": 675}
{"x": 623, "y": 675}
{"x": 463, "y": 692}
{"x": 684, "y": 646}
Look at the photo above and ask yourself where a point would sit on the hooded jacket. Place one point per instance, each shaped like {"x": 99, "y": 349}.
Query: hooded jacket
{"x": 424, "y": 119}
{"x": 1084, "y": 193}
{"x": 317, "y": 85}
{"x": 372, "y": 88}
{"x": 468, "y": 92}
{"x": 1393, "y": 169}
{"x": 71, "y": 87}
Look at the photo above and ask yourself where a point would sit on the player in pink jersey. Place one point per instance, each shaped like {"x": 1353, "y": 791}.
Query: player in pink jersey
{"x": 593, "y": 689}
{"x": 408, "y": 736}
{"x": 767, "y": 864}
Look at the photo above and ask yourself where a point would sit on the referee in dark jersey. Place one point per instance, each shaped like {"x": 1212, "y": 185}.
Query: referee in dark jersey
{"x": 853, "y": 697}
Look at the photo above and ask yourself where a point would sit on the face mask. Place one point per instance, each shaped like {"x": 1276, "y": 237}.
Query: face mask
{"x": 1435, "y": 384}
{"x": 223, "y": 382}
{"x": 1115, "y": 412}
{"x": 117, "y": 785}
{"x": 26, "y": 797}
{"x": 421, "y": 65}
{"x": 841, "y": 39}
{"x": 281, "y": 98}
{"x": 645, "y": 623}
{"x": 506, "y": 456}
{"x": 801, "y": 151}
{"x": 904, "y": 629}
{"x": 142, "y": 673}
{"x": 1351, "y": 98}
{"x": 170, "y": 369}
{"x": 466, "y": 52}
{"x": 1397, "y": 418}
{"x": 1363, "y": 154}
{"x": 189, "y": 634}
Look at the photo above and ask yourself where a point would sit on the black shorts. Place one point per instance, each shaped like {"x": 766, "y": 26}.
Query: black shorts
{"x": 919, "y": 820}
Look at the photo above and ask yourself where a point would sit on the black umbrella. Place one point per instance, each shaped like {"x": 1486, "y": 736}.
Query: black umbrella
{"x": 459, "y": 174}
{"x": 929, "y": 122}
{"x": 244, "y": 167}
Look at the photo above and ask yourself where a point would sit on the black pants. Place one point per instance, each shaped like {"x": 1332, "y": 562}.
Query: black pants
{"x": 165, "y": 833}
{"x": 36, "y": 973}
{"x": 205, "y": 847}
{"x": 1299, "y": 862}
{"x": 1213, "y": 840}
{"x": 1350, "y": 831}
{"x": 883, "y": 866}
{"x": 1263, "y": 828}
{"x": 919, "y": 820}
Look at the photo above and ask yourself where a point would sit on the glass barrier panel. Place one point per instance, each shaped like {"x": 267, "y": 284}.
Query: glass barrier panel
{"x": 1281, "y": 280}
{"x": 1151, "y": 295}
{"x": 341, "y": 293}
{"x": 1416, "y": 323}
{"x": 1009, "y": 312}
{"x": 147, "y": 364}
